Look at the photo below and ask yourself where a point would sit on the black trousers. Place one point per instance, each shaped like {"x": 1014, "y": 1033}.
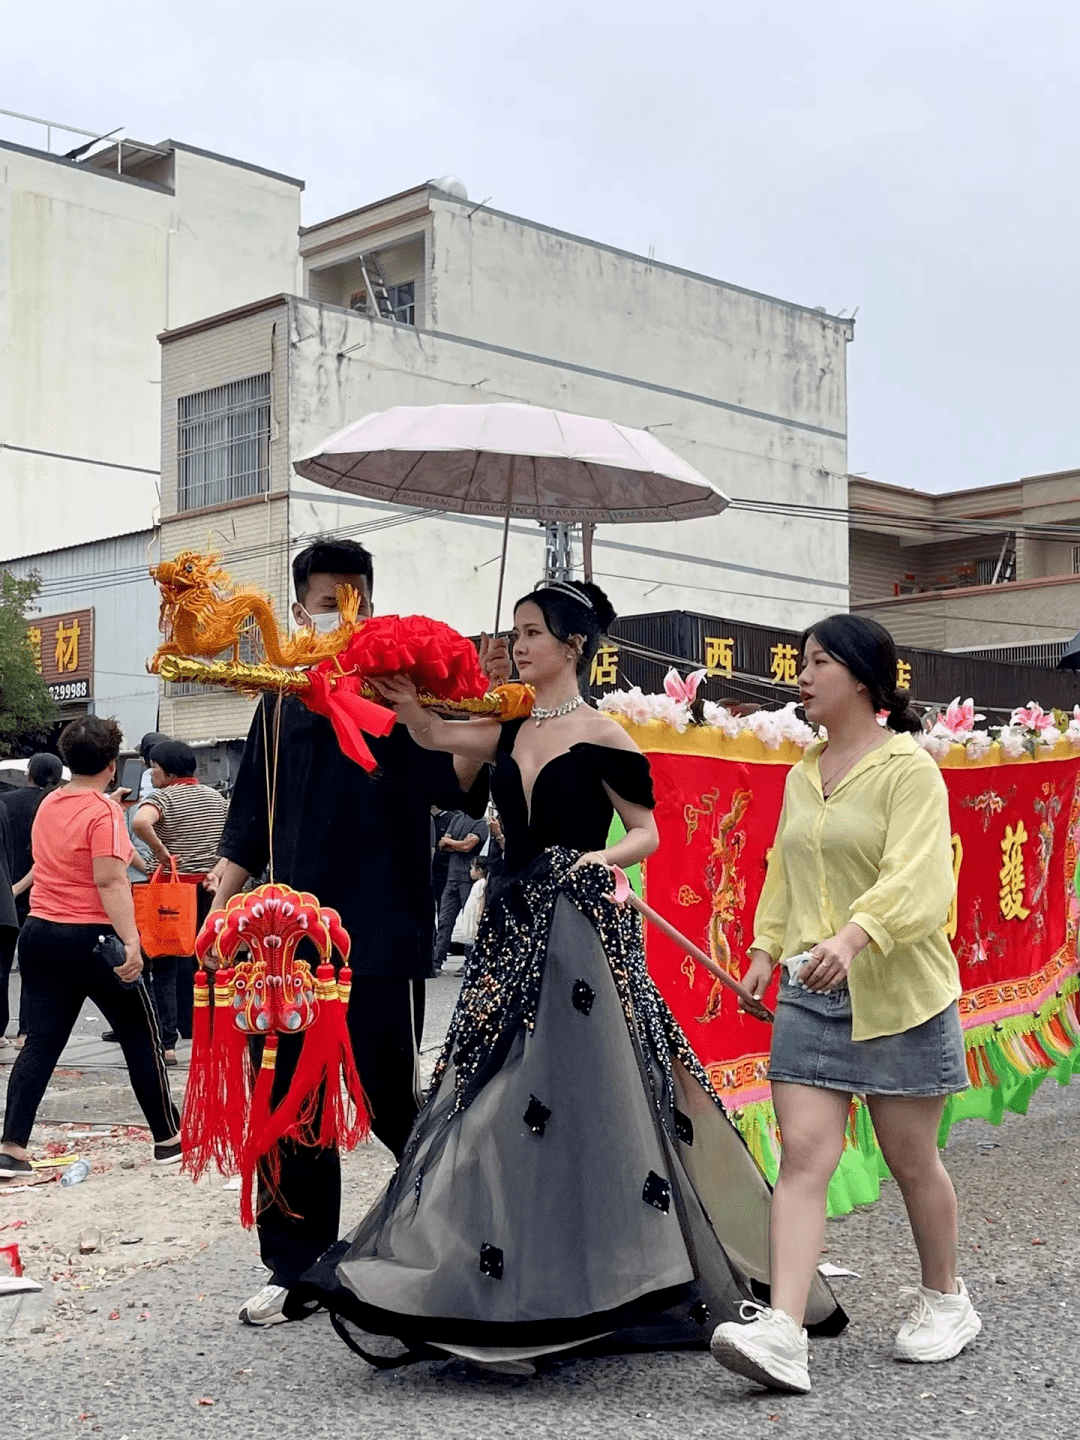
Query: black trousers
{"x": 172, "y": 983}
{"x": 382, "y": 1027}
{"x": 9, "y": 938}
{"x": 59, "y": 973}
{"x": 450, "y": 907}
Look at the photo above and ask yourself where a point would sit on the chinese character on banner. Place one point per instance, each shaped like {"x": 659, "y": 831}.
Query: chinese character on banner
{"x": 1011, "y": 873}
{"x": 719, "y": 655}
{"x": 605, "y": 666}
{"x": 34, "y": 636}
{"x": 903, "y": 675}
{"x": 67, "y": 646}
{"x": 957, "y": 861}
{"x": 784, "y": 663}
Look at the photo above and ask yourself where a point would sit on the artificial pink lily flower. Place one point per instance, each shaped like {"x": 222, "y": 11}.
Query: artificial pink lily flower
{"x": 960, "y": 718}
{"x": 683, "y": 690}
{"x": 1033, "y": 716}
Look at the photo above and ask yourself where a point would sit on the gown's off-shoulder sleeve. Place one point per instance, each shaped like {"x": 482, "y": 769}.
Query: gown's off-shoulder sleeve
{"x": 627, "y": 773}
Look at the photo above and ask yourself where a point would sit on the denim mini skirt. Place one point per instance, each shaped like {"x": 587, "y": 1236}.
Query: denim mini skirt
{"x": 812, "y": 1045}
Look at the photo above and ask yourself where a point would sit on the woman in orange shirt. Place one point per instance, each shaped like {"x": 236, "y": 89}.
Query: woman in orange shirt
{"x": 81, "y": 895}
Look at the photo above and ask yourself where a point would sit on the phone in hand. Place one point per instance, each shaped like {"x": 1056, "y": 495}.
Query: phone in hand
{"x": 111, "y": 949}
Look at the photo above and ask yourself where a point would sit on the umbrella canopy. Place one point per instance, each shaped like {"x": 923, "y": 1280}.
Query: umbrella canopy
{"x": 512, "y": 459}
{"x": 1071, "y": 659}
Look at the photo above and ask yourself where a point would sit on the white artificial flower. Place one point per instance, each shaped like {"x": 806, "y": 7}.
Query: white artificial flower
{"x": 792, "y": 728}
{"x": 1011, "y": 742}
{"x": 638, "y": 707}
{"x": 936, "y": 745}
{"x": 978, "y": 744}
{"x": 722, "y": 718}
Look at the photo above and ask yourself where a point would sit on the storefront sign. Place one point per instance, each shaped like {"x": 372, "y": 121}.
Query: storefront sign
{"x": 63, "y": 647}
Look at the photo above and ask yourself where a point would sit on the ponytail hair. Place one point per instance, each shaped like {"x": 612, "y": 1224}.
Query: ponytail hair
{"x": 869, "y": 652}
{"x": 45, "y": 770}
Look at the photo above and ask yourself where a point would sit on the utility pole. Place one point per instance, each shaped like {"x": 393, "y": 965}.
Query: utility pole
{"x": 558, "y": 550}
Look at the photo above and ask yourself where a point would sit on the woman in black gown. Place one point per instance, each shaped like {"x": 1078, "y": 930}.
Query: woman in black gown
{"x": 573, "y": 1178}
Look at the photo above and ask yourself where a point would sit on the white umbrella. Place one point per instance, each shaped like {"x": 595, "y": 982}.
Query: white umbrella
{"x": 512, "y": 460}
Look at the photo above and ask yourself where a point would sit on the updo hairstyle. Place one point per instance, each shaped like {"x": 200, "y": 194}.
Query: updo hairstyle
{"x": 574, "y": 607}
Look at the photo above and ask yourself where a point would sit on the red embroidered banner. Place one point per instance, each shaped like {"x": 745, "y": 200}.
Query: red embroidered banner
{"x": 1015, "y": 826}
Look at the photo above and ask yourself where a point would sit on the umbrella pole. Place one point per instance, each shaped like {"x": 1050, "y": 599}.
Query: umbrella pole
{"x": 505, "y": 542}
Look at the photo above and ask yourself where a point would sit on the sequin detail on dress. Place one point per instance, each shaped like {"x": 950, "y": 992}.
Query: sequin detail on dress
{"x": 537, "y": 1116}
{"x": 501, "y": 988}
{"x": 684, "y": 1128}
{"x": 582, "y": 996}
{"x": 657, "y": 1192}
{"x": 491, "y": 1261}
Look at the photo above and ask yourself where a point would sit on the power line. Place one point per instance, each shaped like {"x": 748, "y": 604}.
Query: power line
{"x": 110, "y": 579}
{"x": 136, "y": 574}
{"x": 750, "y": 505}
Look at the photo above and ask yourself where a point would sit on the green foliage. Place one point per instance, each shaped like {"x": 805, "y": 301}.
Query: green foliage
{"x": 25, "y": 702}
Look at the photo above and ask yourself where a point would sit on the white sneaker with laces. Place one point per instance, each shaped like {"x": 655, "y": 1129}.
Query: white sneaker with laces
{"x": 770, "y": 1349}
{"x": 938, "y": 1326}
{"x": 265, "y": 1307}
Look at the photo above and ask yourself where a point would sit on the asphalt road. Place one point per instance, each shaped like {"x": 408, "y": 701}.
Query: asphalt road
{"x": 176, "y": 1343}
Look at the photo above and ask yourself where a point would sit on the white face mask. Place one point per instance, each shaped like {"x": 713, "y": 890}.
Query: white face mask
{"x": 323, "y": 624}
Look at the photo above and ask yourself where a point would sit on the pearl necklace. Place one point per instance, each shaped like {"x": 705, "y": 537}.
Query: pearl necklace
{"x": 539, "y": 713}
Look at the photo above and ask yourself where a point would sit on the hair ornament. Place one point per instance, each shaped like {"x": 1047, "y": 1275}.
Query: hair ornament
{"x": 564, "y": 589}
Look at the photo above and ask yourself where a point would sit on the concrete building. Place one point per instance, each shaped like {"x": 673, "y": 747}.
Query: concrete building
{"x": 94, "y": 627}
{"x": 426, "y": 298}
{"x": 993, "y": 571}
{"x": 97, "y": 256}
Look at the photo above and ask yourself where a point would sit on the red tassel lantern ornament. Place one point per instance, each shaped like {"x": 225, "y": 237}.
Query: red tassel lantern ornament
{"x": 230, "y": 1118}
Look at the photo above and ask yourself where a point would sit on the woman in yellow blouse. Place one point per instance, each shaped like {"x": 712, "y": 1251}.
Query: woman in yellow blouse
{"x": 860, "y": 878}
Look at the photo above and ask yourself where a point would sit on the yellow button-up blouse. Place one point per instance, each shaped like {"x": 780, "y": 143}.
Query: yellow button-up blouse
{"x": 877, "y": 852}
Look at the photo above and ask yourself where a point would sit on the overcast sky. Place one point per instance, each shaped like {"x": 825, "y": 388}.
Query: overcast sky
{"x": 917, "y": 161}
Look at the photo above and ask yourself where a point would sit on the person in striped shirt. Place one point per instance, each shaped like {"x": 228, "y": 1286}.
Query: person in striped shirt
{"x": 179, "y": 819}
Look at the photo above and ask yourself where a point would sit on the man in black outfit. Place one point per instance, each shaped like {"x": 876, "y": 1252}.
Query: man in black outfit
{"x": 463, "y": 839}
{"x": 43, "y": 774}
{"x": 359, "y": 841}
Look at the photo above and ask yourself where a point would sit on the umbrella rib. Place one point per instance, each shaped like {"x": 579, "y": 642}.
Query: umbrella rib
{"x": 406, "y": 479}
{"x": 472, "y": 474}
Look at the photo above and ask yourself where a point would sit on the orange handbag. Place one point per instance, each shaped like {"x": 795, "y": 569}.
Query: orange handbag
{"x": 166, "y": 912}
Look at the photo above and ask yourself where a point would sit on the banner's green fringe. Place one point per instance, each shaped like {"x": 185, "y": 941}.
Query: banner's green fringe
{"x": 1006, "y": 1062}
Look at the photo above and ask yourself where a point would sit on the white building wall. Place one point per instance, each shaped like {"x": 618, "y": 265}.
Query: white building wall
{"x": 782, "y": 571}
{"x": 111, "y": 578}
{"x": 514, "y": 283}
{"x": 92, "y": 268}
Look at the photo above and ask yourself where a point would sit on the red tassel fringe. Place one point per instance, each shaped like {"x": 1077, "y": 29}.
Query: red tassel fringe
{"x": 199, "y": 1113}
{"x": 230, "y": 1120}
{"x": 325, "y": 1080}
{"x": 258, "y": 1117}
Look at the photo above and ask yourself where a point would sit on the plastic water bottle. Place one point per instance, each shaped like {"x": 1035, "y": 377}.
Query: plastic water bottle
{"x": 75, "y": 1174}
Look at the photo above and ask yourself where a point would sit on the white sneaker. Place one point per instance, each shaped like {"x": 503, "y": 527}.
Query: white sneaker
{"x": 771, "y": 1349}
{"x": 265, "y": 1307}
{"x": 938, "y": 1326}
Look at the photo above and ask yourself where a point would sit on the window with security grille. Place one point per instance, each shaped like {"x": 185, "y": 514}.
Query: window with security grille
{"x": 223, "y": 443}
{"x": 403, "y": 302}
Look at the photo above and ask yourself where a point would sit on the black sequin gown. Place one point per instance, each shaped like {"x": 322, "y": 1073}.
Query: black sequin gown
{"x": 572, "y": 1179}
